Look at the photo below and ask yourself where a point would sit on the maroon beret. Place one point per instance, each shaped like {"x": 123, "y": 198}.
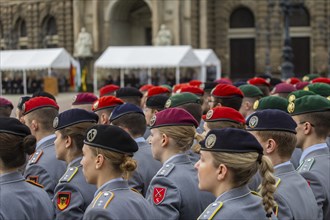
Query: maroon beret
{"x": 84, "y": 98}
{"x": 283, "y": 88}
{"x": 5, "y": 103}
{"x": 173, "y": 117}
{"x": 301, "y": 85}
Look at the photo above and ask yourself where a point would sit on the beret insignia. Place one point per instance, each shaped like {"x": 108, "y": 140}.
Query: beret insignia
{"x": 91, "y": 135}
{"x": 291, "y": 107}
{"x": 153, "y": 120}
{"x": 55, "y": 122}
{"x": 253, "y": 121}
{"x": 292, "y": 98}
{"x": 168, "y": 103}
{"x": 328, "y": 98}
{"x": 209, "y": 114}
{"x": 306, "y": 88}
{"x": 305, "y": 78}
{"x": 255, "y": 104}
{"x": 23, "y": 107}
{"x": 74, "y": 98}
{"x": 210, "y": 141}
{"x": 96, "y": 104}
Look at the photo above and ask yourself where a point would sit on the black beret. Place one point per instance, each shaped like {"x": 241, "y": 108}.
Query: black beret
{"x": 226, "y": 140}
{"x": 13, "y": 126}
{"x": 110, "y": 138}
{"x": 271, "y": 120}
{"x": 74, "y": 116}
{"x": 128, "y": 92}
{"x": 43, "y": 94}
{"x": 156, "y": 101}
{"x": 208, "y": 86}
{"x": 124, "y": 109}
{"x": 21, "y": 102}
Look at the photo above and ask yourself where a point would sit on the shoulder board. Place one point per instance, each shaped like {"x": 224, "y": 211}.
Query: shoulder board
{"x": 211, "y": 211}
{"x": 165, "y": 170}
{"x": 306, "y": 165}
{"x": 103, "y": 199}
{"x": 278, "y": 180}
{"x": 35, "y": 157}
{"x": 255, "y": 193}
{"x": 69, "y": 174}
{"x": 34, "y": 183}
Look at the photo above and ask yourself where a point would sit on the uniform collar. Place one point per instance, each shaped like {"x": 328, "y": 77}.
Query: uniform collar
{"x": 283, "y": 168}
{"x": 11, "y": 177}
{"x": 178, "y": 158}
{"x": 44, "y": 140}
{"x": 317, "y": 149}
{"x": 75, "y": 162}
{"x": 139, "y": 139}
{"x": 112, "y": 184}
{"x": 234, "y": 193}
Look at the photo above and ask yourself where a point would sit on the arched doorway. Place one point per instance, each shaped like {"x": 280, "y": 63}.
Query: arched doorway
{"x": 242, "y": 43}
{"x": 130, "y": 23}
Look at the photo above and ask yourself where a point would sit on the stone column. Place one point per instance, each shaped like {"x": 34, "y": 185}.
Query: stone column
{"x": 96, "y": 44}
{"x": 203, "y": 23}
{"x": 77, "y": 23}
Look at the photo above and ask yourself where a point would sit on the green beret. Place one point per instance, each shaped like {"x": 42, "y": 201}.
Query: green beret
{"x": 308, "y": 104}
{"x": 271, "y": 102}
{"x": 298, "y": 94}
{"x": 310, "y": 77}
{"x": 251, "y": 91}
{"x": 321, "y": 89}
{"x": 181, "y": 99}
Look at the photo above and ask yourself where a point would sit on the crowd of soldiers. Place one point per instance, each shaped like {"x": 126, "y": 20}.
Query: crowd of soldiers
{"x": 213, "y": 150}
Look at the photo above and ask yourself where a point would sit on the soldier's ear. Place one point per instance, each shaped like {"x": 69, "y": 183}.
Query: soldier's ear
{"x": 165, "y": 139}
{"x": 222, "y": 172}
{"x": 270, "y": 146}
{"x": 34, "y": 125}
{"x": 99, "y": 161}
{"x": 68, "y": 142}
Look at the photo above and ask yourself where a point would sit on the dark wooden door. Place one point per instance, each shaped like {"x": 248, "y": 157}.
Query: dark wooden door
{"x": 301, "y": 55}
{"x": 242, "y": 58}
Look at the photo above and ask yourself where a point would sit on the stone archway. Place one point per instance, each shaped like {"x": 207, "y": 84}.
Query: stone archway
{"x": 130, "y": 23}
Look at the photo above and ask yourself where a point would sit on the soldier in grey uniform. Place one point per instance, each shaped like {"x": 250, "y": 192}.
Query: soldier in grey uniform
{"x": 43, "y": 167}
{"x": 174, "y": 190}
{"x": 107, "y": 163}
{"x": 294, "y": 198}
{"x": 20, "y": 199}
{"x": 72, "y": 194}
{"x": 312, "y": 115}
{"x": 225, "y": 168}
{"x": 131, "y": 118}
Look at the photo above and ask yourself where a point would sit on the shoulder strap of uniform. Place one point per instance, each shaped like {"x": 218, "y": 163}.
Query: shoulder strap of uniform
{"x": 278, "y": 180}
{"x": 103, "y": 199}
{"x": 306, "y": 165}
{"x": 165, "y": 170}
{"x": 255, "y": 193}
{"x": 35, "y": 157}
{"x": 69, "y": 174}
{"x": 211, "y": 211}
{"x": 34, "y": 183}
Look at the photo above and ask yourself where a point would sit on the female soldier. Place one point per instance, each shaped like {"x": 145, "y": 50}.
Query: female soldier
{"x": 225, "y": 168}
{"x": 174, "y": 189}
{"x": 107, "y": 163}
{"x": 19, "y": 199}
{"x": 72, "y": 193}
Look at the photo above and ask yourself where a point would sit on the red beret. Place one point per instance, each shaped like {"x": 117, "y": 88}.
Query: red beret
{"x": 195, "y": 82}
{"x": 224, "y": 81}
{"x": 105, "y": 90}
{"x": 258, "y": 81}
{"x": 158, "y": 90}
{"x": 192, "y": 89}
{"x": 321, "y": 80}
{"x": 37, "y": 103}
{"x": 226, "y": 91}
{"x": 145, "y": 88}
{"x": 5, "y": 103}
{"x": 84, "y": 98}
{"x": 221, "y": 113}
{"x": 106, "y": 102}
{"x": 301, "y": 85}
{"x": 283, "y": 88}
{"x": 179, "y": 86}
{"x": 173, "y": 117}
{"x": 293, "y": 80}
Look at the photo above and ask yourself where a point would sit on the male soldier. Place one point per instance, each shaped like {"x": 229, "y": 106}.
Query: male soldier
{"x": 251, "y": 94}
{"x": 43, "y": 167}
{"x": 271, "y": 102}
{"x": 261, "y": 83}
{"x": 19, "y": 109}
{"x": 104, "y": 106}
{"x": 84, "y": 100}
{"x": 278, "y": 138}
{"x": 5, "y": 107}
{"x": 312, "y": 115}
{"x": 129, "y": 95}
{"x": 131, "y": 118}
{"x": 108, "y": 90}
{"x": 226, "y": 95}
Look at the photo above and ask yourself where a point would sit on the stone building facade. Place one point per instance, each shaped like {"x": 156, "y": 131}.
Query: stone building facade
{"x": 247, "y": 35}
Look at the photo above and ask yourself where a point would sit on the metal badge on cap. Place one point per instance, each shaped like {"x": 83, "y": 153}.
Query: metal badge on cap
{"x": 91, "y": 135}
{"x": 74, "y": 98}
{"x": 96, "y": 104}
{"x": 168, "y": 103}
{"x": 210, "y": 141}
{"x": 292, "y": 98}
{"x": 23, "y": 107}
{"x": 255, "y": 104}
{"x": 153, "y": 120}
{"x": 55, "y": 122}
{"x": 291, "y": 107}
{"x": 209, "y": 114}
{"x": 253, "y": 122}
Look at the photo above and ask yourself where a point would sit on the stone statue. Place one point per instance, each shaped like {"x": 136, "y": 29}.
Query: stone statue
{"x": 164, "y": 36}
{"x": 83, "y": 46}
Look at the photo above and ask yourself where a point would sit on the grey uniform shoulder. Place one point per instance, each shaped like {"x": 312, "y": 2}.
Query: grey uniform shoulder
{"x": 103, "y": 199}
{"x": 211, "y": 210}
{"x": 35, "y": 157}
{"x": 69, "y": 174}
{"x": 166, "y": 170}
{"x": 306, "y": 165}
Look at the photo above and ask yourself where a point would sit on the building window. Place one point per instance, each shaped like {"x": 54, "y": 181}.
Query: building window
{"x": 241, "y": 18}
{"x": 49, "y": 35}
{"x": 21, "y": 32}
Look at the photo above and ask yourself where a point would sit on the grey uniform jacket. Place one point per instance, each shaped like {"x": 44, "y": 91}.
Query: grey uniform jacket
{"x": 116, "y": 200}
{"x": 22, "y": 200}
{"x": 147, "y": 168}
{"x": 294, "y": 197}
{"x": 174, "y": 190}
{"x": 295, "y": 157}
{"x": 238, "y": 203}
{"x": 315, "y": 169}
{"x": 44, "y": 168}
{"x": 73, "y": 194}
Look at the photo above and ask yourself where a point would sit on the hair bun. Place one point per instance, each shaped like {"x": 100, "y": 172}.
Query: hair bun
{"x": 29, "y": 144}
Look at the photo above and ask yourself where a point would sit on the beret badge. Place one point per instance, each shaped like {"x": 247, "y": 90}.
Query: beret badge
{"x": 291, "y": 107}
{"x": 305, "y": 78}
{"x": 23, "y": 107}
{"x": 210, "y": 141}
{"x": 74, "y": 98}
{"x": 168, "y": 103}
{"x": 292, "y": 98}
{"x": 209, "y": 114}
{"x": 253, "y": 122}
{"x": 255, "y": 104}
{"x": 306, "y": 88}
{"x": 55, "y": 122}
{"x": 96, "y": 104}
{"x": 91, "y": 135}
{"x": 153, "y": 120}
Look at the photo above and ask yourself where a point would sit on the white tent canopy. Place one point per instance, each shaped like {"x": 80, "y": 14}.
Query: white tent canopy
{"x": 208, "y": 58}
{"x": 35, "y": 59}
{"x": 146, "y": 57}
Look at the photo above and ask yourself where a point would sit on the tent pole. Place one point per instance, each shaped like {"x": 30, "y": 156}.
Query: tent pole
{"x": 24, "y": 82}
{"x": 95, "y": 81}
{"x": 49, "y": 71}
{"x": 177, "y": 75}
{"x": 0, "y": 83}
{"x": 122, "y": 78}
{"x": 218, "y": 71}
{"x": 203, "y": 73}
{"x": 149, "y": 75}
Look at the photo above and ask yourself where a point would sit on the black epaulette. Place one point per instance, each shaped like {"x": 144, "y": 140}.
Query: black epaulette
{"x": 165, "y": 170}
{"x": 69, "y": 174}
{"x": 35, "y": 157}
{"x": 211, "y": 211}
{"x": 103, "y": 199}
{"x": 306, "y": 165}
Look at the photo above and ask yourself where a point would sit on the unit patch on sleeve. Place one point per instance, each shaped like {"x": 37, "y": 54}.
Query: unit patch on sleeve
{"x": 63, "y": 200}
{"x": 159, "y": 194}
